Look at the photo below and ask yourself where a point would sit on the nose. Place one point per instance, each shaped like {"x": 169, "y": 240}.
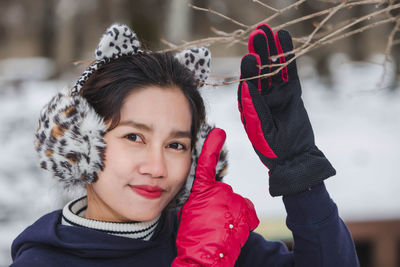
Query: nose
{"x": 154, "y": 163}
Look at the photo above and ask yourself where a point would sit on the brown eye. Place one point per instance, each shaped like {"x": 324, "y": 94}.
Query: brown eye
{"x": 133, "y": 138}
{"x": 177, "y": 146}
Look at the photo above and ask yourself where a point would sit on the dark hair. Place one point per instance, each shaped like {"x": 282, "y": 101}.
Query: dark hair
{"x": 108, "y": 86}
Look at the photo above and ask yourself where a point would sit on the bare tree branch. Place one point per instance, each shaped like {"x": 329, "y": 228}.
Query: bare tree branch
{"x": 323, "y": 34}
{"x": 323, "y": 12}
{"x": 332, "y": 34}
{"x": 330, "y": 15}
{"x": 280, "y": 12}
{"x": 218, "y": 14}
{"x": 167, "y": 43}
{"x": 265, "y": 5}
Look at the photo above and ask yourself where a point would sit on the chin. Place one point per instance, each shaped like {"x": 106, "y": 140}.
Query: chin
{"x": 147, "y": 218}
{"x": 144, "y": 217}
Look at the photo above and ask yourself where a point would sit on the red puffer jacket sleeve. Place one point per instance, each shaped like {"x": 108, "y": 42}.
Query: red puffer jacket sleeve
{"x": 214, "y": 222}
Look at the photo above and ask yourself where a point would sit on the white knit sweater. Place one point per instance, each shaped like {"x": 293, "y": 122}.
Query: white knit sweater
{"x": 73, "y": 214}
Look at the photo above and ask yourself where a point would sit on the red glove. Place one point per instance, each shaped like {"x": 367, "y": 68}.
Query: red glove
{"x": 214, "y": 222}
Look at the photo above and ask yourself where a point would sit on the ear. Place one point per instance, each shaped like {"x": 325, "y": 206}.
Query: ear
{"x": 118, "y": 40}
{"x": 197, "y": 60}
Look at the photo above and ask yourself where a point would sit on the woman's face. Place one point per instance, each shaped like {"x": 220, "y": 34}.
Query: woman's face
{"x": 147, "y": 157}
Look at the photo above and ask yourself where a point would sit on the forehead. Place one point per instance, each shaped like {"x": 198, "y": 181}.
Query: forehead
{"x": 159, "y": 107}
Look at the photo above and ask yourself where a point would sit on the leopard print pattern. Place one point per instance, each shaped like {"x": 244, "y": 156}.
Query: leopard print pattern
{"x": 85, "y": 76}
{"x": 118, "y": 40}
{"x": 69, "y": 140}
{"x": 198, "y": 61}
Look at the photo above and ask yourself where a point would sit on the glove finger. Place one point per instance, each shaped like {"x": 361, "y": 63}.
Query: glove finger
{"x": 284, "y": 40}
{"x": 208, "y": 159}
{"x": 258, "y": 44}
{"x": 248, "y": 68}
{"x": 282, "y": 60}
{"x": 259, "y": 123}
{"x": 273, "y": 50}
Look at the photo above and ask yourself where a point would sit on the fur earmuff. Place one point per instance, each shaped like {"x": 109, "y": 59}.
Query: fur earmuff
{"x": 69, "y": 140}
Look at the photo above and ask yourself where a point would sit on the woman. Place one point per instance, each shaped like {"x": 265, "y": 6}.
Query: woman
{"x": 132, "y": 133}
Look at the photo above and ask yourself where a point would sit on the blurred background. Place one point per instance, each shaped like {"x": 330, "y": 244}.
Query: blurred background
{"x": 351, "y": 90}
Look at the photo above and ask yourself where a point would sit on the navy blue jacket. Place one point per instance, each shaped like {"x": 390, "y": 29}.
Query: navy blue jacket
{"x": 321, "y": 239}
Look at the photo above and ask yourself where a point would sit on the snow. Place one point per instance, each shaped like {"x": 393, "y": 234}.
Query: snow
{"x": 356, "y": 125}
{"x": 26, "y": 69}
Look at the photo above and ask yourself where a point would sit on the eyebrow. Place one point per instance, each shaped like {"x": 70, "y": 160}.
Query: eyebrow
{"x": 140, "y": 126}
{"x": 148, "y": 128}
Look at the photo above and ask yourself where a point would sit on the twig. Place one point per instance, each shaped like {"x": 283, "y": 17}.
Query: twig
{"x": 309, "y": 42}
{"x": 329, "y": 28}
{"x": 219, "y": 32}
{"x": 330, "y": 15}
{"x": 323, "y": 12}
{"x": 201, "y": 42}
{"x": 218, "y": 14}
{"x": 238, "y": 34}
{"x": 83, "y": 61}
{"x": 375, "y": 24}
{"x": 167, "y": 43}
{"x": 326, "y": 37}
{"x": 366, "y": 17}
{"x": 304, "y": 51}
{"x": 265, "y": 5}
{"x": 241, "y": 35}
{"x": 294, "y": 5}
{"x": 320, "y": 43}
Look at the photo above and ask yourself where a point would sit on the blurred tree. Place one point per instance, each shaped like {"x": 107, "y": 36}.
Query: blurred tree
{"x": 78, "y": 34}
{"x": 396, "y": 53}
{"x": 357, "y": 47}
{"x": 321, "y": 55}
{"x": 396, "y": 57}
{"x": 178, "y": 21}
{"x": 3, "y": 29}
{"x": 103, "y": 11}
{"x": 147, "y": 18}
{"x": 47, "y": 29}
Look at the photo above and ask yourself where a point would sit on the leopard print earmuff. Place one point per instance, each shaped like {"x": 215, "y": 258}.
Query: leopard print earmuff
{"x": 69, "y": 138}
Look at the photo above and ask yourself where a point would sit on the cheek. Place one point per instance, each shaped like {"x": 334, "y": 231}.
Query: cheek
{"x": 179, "y": 171}
{"x": 117, "y": 157}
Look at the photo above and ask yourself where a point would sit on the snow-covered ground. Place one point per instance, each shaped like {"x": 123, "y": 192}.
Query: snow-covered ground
{"x": 356, "y": 125}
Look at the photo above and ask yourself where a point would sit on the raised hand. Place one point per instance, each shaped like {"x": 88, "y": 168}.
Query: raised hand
{"x": 274, "y": 116}
{"x": 214, "y": 222}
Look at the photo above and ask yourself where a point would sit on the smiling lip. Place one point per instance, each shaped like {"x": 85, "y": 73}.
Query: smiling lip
{"x": 148, "y": 191}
